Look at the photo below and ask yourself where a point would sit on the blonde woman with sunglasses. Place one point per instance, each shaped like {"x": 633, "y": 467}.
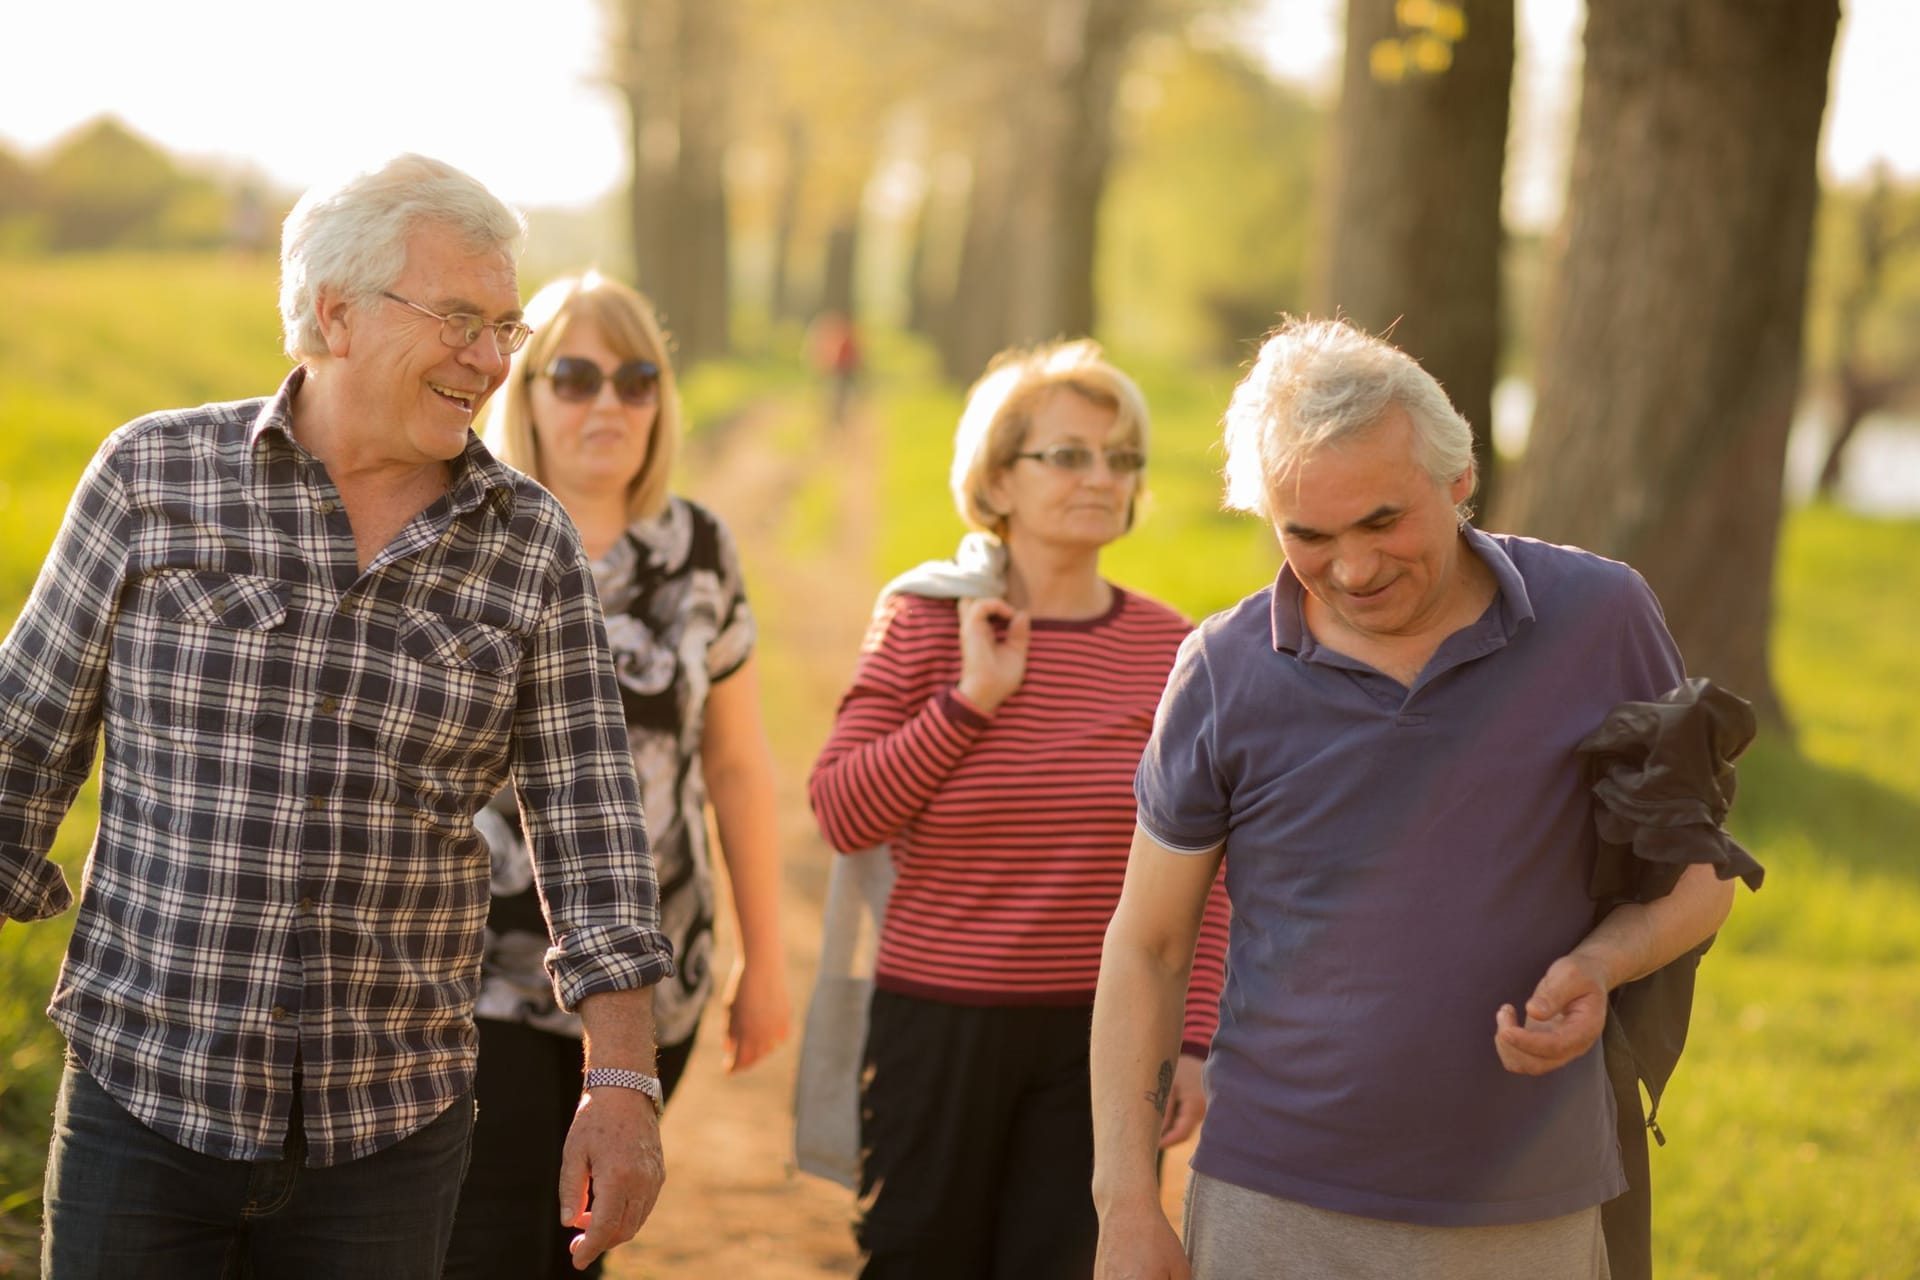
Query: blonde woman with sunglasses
{"x": 590, "y": 411}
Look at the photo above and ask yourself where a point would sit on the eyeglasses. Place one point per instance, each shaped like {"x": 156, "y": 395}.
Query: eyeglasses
{"x": 461, "y": 329}
{"x": 1078, "y": 457}
{"x": 578, "y": 379}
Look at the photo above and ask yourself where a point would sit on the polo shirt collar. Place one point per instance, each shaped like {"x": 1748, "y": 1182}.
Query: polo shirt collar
{"x": 1289, "y": 620}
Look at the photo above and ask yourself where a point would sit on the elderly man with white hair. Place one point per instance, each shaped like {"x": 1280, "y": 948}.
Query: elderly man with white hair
{"x": 315, "y": 632}
{"x": 1381, "y": 746}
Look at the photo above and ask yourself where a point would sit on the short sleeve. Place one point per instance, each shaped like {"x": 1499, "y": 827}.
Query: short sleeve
{"x": 1650, "y": 661}
{"x": 1182, "y": 799}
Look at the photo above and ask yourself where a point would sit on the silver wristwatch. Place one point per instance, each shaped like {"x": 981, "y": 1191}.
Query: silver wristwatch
{"x": 621, "y": 1078}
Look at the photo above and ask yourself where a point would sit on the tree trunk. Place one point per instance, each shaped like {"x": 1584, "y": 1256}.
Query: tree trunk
{"x": 1861, "y": 393}
{"x": 923, "y": 307}
{"x": 1107, "y": 28}
{"x": 672, "y": 61}
{"x": 1414, "y": 229}
{"x": 976, "y": 316}
{"x": 1671, "y": 349}
{"x": 643, "y": 25}
{"x": 837, "y": 280}
{"x": 1859, "y": 396}
{"x": 1040, "y": 169}
{"x": 784, "y": 304}
{"x": 1065, "y": 142}
{"x": 705, "y": 298}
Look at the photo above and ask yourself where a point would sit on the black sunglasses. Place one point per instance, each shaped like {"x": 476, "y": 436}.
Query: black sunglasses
{"x": 578, "y": 379}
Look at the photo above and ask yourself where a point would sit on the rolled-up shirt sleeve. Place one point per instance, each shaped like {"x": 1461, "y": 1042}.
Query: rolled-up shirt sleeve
{"x": 52, "y": 672}
{"x": 580, "y": 803}
{"x": 1183, "y": 801}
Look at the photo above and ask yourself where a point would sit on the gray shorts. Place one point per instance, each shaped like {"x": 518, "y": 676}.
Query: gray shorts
{"x": 1236, "y": 1234}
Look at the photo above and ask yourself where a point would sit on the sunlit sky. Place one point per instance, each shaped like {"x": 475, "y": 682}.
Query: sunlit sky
{"x": 510, "y": 90}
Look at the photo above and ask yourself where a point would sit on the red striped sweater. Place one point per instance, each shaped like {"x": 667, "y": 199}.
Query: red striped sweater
{"x": 1009, "y": 832}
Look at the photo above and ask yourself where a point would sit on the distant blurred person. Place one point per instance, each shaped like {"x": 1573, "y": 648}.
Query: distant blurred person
{"x": 315, "y": 632}
{"x": 590, "y": 411}
{"x": 833, "y": 348}
{"x": 992, "y": 741}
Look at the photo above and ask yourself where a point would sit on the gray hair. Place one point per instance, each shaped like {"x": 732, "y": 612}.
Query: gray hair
{"x": 352, "y": 237}
{"x": 1319, "y": 381}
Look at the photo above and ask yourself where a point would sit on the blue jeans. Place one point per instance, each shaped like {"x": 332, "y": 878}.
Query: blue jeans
{"x": 123, "y": 1201}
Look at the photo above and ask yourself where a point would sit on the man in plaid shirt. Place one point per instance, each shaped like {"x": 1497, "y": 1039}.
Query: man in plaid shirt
{"x": 315, "y": 632}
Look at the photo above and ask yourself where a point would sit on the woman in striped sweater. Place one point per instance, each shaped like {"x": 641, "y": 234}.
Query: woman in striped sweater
{"x": 992, "y": 741}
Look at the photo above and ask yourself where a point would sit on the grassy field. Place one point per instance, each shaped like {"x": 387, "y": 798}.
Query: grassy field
{"x": 1794, "y": 1123}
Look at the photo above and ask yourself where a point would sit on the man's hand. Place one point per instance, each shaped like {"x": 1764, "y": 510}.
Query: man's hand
{"x": 1565, "y": 1015}
{"x": 1186, "y": 1103}
{"x": 611, "y": 1170}
{"x": 1139, "y": 1244}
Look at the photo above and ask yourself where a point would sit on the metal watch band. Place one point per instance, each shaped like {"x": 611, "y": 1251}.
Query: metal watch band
{"x": 621, "y": 1078}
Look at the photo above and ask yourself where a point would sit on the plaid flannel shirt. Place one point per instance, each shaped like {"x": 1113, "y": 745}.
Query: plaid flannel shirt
{"x": 286, "y": 870}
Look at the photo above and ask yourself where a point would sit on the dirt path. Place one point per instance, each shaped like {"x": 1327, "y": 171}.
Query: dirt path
{"x": 732, "y": 1208}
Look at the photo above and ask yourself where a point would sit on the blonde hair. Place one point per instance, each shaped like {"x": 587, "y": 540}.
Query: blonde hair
{"x": 1000, "y": 407}
{"x": 626, "y": 322}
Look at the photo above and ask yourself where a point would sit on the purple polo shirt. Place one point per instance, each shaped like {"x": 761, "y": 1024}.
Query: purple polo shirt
{"x": 1401, "y": 862}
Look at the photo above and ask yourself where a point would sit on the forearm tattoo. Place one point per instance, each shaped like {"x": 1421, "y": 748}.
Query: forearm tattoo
{"x": 1165, "y": 1090}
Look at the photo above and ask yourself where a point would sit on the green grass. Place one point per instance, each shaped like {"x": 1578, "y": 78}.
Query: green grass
{"x": 1794, "y": 1121}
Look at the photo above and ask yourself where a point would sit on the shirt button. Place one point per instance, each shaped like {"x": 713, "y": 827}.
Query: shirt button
{"x": 329, "y": 705}
{"x": 328, "y": 506}
{"x": 316, "y": 803}
{"x": 278, "y": 1013}
{"x": 461, "y": 651}
{"x": 306, "y": 906}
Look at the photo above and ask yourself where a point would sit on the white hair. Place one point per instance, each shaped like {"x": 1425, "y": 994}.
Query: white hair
{"x": 352, "y": 237}
{"x": 1318, "y": 381}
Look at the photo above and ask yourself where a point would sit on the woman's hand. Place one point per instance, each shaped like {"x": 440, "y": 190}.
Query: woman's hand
{"x": 1186, "y": 1103}
{"x": 992, "y": 666}
{"x": 758, "y": 1015}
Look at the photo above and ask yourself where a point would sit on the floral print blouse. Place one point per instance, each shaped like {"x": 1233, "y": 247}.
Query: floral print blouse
{"x": 677, "y": 622}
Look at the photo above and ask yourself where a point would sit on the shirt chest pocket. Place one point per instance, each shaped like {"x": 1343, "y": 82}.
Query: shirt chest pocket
{"x": 230, "y": 602}
{"x": 197, "y": 650}
{"x": 458, "y": 645}
{"x": 449, "y": 702}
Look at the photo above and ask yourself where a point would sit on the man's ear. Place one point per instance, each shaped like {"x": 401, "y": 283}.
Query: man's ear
{"x": 1462, "y": 487}
{"x": 336, "y": 316}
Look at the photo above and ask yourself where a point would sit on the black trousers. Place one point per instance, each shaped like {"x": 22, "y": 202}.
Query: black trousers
{"x": 976, "y": 1133}
{"x": 508, "y": 1224}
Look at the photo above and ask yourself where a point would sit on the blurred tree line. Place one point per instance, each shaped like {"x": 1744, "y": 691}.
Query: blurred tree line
{"x": 986, "y": 173}
{"x": 979, "y": 173}
{"x": 104, "y": 186}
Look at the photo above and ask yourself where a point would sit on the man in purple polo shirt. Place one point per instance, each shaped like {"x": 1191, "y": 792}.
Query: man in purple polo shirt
{"x": 1405, "y": 1082}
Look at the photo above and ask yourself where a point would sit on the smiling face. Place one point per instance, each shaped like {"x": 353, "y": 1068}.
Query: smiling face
{"x": 1373, "y": 537}
{"x": 597, "y": 446}
{"x": 1041, "y": 503}
{"x": 416, "y": 395}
